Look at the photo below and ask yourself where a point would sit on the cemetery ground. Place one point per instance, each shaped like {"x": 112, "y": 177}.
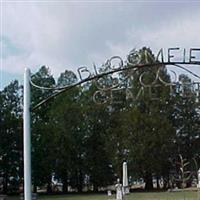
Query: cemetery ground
{"x": 186, "y": 195}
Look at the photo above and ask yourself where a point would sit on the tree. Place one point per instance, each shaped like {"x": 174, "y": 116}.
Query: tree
{"x": 67, "y": 78}
{"x": 42, "y": 136}
{"x": 11, "y": 136}
{"x": 66, "y": 114}
{"x": 98, "y": 162}
{"x": 148, "y": 126}
{"x": 186, "y": 120}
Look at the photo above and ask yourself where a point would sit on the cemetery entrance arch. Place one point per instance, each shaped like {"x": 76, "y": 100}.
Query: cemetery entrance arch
{"x": 106, "y": 89}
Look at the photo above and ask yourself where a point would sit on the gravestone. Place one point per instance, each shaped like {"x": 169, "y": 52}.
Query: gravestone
{"x": 198, "y": 183}
{"x": 109, "y": 193}
{"x": 119, "y": 190}
{"x": 3, "y": 197}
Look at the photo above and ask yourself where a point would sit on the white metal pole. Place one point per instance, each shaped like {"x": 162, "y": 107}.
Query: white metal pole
{"x": 27, "y": 138}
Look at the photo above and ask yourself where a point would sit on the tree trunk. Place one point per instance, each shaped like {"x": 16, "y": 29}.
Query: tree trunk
{"x": 80, "y": 181}
{"x": 5, "y": 183}
{"x": 49, "y": 188}
{"x": 148, "y": 181}
{"x": 80, "y": 188}
{"x": 167, "y": 183}
{"x": 65, "y": 186}
{"x": 157, "y": 181}
{"x": 35, "y": 188}
{"x": 189, "y": 184}
{"x": 95, "y": 188}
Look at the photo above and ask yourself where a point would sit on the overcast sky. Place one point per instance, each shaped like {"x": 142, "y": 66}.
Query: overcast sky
{"x": 66, "y": 35}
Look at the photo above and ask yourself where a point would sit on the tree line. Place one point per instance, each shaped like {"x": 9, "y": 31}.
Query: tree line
{"x": 83, "y": 144}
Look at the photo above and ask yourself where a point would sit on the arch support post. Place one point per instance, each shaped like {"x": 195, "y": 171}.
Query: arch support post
{"x": 27, "y": 137}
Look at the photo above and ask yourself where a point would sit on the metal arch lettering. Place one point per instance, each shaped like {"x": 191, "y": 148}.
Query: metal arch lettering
{"x": 83, "y": 70}
{"x": 147, "y": 85}
{"x": 167, "y": 83}
{"x": 86, "y": 75}
{"x": 100, "y": 86}
{"x": 105, "y": 97}
{"x": 114, "y": 83}
{"x": 120, "y": 64}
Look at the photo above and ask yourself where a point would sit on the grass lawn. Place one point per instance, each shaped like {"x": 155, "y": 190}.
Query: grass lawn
{"x": 189, "y": 195}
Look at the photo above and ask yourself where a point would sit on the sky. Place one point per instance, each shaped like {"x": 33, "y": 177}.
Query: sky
{"x": 70, "y": 34}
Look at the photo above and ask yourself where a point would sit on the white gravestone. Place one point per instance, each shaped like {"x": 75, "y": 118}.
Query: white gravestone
{"x": 198, "y": 185}
{"x": 125, "y": 178}
{"x": 109, "y": 193}
{"x": 119, "y": 190}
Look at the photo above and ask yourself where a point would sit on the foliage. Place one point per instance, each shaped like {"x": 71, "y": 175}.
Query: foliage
{"x": 11, "y": 137}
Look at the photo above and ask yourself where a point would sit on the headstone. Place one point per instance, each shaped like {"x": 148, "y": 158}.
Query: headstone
{"x": 198, "y": 184}
{"x": 126, "y": 190}
{"x": 3, "y": 197}
{"x": 119, "y": 190}
{"x": 109, "y": 193}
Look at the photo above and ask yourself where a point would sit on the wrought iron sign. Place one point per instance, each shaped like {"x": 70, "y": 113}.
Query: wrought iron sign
{"x": 174, "y": 56}
{"x": 109, "y": 85}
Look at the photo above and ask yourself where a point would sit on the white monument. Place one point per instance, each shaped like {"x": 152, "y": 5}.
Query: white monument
{"x": 119, "y": 190}
{"x": 125, "y": 178}
{"x": 198, "y": 184}
{"x": 109, "y": 193}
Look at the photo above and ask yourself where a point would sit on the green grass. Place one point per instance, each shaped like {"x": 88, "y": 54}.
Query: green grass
{"x": 189, "y": 195}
